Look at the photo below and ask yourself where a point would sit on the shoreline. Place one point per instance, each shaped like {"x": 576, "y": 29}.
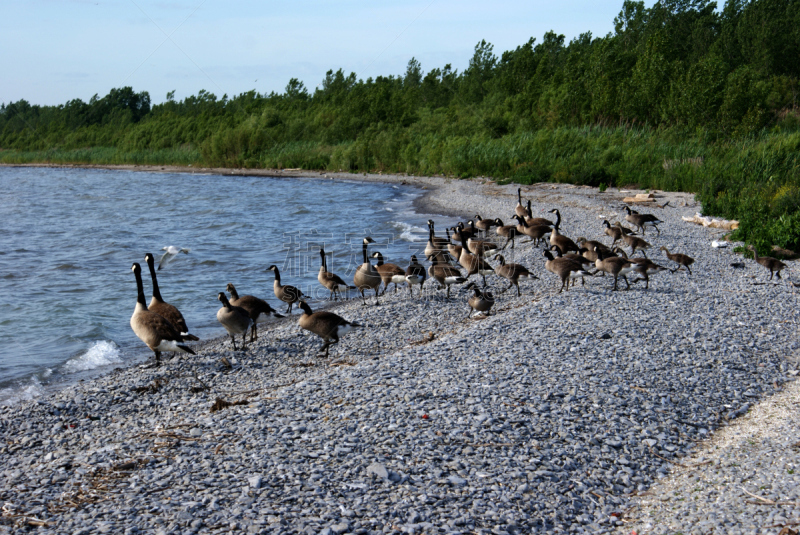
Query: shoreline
{"x": 466, "y": 413}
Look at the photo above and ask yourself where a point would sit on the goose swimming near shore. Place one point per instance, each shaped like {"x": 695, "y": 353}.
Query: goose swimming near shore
{"x": 155, "y": 331}
{"x": 170, "y": 254}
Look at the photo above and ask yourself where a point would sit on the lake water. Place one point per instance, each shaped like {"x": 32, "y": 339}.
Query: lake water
{"x": 69, "y": 236}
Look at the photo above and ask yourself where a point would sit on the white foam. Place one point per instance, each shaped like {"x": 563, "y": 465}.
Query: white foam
{"x": 102, "y": 353}
{"x": 409, "y": 233}
{"x": 12, "y": 396}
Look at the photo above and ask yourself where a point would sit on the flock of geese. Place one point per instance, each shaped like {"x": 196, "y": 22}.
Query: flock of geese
{"x": 162, "y": 327}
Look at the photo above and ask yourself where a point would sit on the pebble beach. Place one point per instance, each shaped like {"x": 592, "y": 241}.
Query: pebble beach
{"x": 671, "y": 409}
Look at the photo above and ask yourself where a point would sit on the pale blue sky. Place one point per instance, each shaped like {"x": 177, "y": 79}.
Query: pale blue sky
{"x": 52, "y": 51}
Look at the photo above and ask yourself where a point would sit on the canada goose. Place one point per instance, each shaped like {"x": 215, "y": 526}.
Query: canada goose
{"x": 512, "y": 272}
{"x": 644, "y": 266}
{"x": 287, "y": 294}
{"x": 557, "y": 224}
{"x": 635, "y": 243}
{"x": 332, "y": 282}
{"x": 484, "y": 225}
{"x": 475, "y": 264}
{"x": 462, "y": 234}
{"x": 165, "y": 310}
{"x": 520, "y": 209}
{"x": 532, "y": 221}
{"x": 565, "y": 268}
{"x": 415, "y": 274}
{"x": 616, "y": 266}
{"x": 772, "y": 264}
{"x": 615, "y": 233}
{"x": 681, "y": 259}
{"x": 390, "y": 273}
{"x": 445, "y": 274}
{"x": 588, "y": 248}
{"x": 258, "y": 309}
{"x": 170, "y": 254}
{"x": 481, "y": 301}
{"x": 565, "y": 244}
{"x": 536, "y": 233}
{"x": 326, "y": 325}
{"x": 453, "y": 249}
{"x": 642, "y": 220}
{"x": 575, "y": 257}
{"x": 481, "y": 247}
{"x": 625, "y": 230}
{"x": 509, "y": 232}
{"x": 155, "y": 331}
{"x": 236, "y": 320}
{"x": 366, "y": 276}
{"x": 434, "y": 245}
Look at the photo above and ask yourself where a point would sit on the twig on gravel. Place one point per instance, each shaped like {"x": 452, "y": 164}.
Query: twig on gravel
{"x": 668, "y": 460}
{"x": 764, "y": 500}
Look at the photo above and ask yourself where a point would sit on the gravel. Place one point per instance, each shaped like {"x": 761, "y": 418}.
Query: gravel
{"x": 557, "y": 413}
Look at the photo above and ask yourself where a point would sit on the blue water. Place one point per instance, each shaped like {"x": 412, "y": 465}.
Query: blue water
{"x": 69, "y": 236}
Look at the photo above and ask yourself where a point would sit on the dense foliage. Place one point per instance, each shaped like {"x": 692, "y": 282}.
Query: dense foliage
{"x": 682, "y": 96}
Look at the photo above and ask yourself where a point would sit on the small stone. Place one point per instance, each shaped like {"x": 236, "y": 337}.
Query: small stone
{"x": 255, "y": 482}
{"x": 378, "y": 470}
{"x": 457, "y": 481}
{"x": 195, "y": 432}
{"x": 342, "y": 527}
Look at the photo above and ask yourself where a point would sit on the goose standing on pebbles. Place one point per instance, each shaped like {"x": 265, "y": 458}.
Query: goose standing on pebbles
{"x": 326, "y": 325}
{"x": 536, "y": 233}
{"x": 475, "y": 264}
{"x": 772, "y": 264}
{"x": 155, "y": 331}
{"x": 615, "y": 233}
{"x": 366, "y": 276}
{"x": 390, "y": 273}
{"x": 681, "y": 259}
{"x": 287, "y": 294}
{"x": 445, "y": 274}
{"x": 435, "y": 244}
{"x": 512, "y": 272}
{"x": 236, "y": 320}
{"x": 644, "y": 266}
{"x": 565, "y": 268}
{"x": 509, "y": 232}
{"x": 616, "y": 266}
{"x": 635, "y": 243}
{"x": 332, "y": 282}
{"x": 415, "y": 274}
{"x": 484, "y": 225}
{"x": 258, "y": 309}
{"x": 165, "y": 310}
{"x": 481, "y": 301}
{"x": 520, "y": 209}
{"x": 642, "y": 221}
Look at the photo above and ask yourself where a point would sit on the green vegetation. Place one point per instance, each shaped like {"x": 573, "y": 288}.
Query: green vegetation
{"x": 681, "y": 96}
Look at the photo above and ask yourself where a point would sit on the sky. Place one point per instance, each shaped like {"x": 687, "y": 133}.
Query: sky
{"x": 53, "y": 51}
